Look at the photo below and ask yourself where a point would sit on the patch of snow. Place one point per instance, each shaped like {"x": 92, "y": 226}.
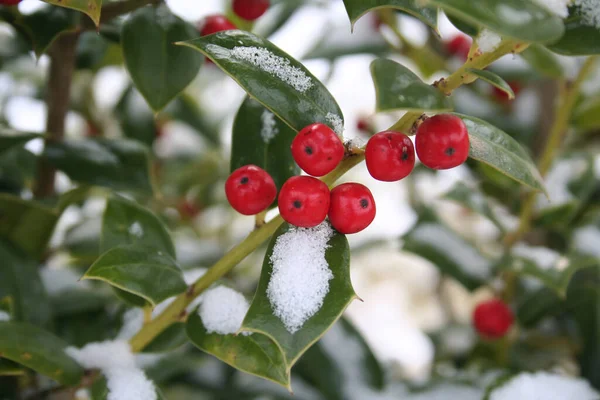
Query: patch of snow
{"x": 274, "y": 65}
{"x": 136, "y": 229}
{"x": 300, "y": 278}
{"x": 336, "y": 122}
{"x": 269, "y": 126}
{"x": 512, "y": 15}
{"x": 56, "y": 280}
{"x": 587, "y": 240}
{"x": 544, "y": 386}
{"x": 223, "y": 310}
{"x": 589, "y": 12}
{"x": 557, "y": 182}
{"x": 488, "y": 41}
{"x": 559, "y": 8}
{"x": 541, "y": 256}
{"x": 447, "y": 391}
{"x": 4, "y": 316}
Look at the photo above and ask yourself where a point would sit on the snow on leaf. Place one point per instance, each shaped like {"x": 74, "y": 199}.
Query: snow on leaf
{"x": 223, "y": 310}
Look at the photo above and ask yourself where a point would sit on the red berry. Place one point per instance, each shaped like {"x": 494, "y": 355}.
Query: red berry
{"x": 501, "y": 95}
{"x": 317, "y": 149}
{"x": 215, "y": 23}
{"x": 304, "y": 201}
{"x": 363, "y": 125}
{"x": 352, "y": 208}
{"x": 9, "y": 2}
{"x": 390, "y": 156}
{"x": 442, "y": 142}
{"x": 459, "y": 45}
{"x": 250, "y": 9}
{"x": 492, "y": 318}
{"x": 250, "y": 190}
{"x": 188, "y": 209}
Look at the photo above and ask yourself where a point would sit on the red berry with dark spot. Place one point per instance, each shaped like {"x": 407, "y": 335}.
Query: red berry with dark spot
{"x": 215, "y": 23}
{"x": 250, "y": 190}
{"x": 303, "y": 201}
{"x": 9, "y": 2}
{"x": 442, "y": 142}
{"x": 317, "y": 149}
{"x": 459, "y": 46}
{"x": 492, "y": 318}
{"x": 250, "y": 9}
{"x": 502, "y": 96}
{"x": 390, "y": 156}
{"x": 352, "y": 208}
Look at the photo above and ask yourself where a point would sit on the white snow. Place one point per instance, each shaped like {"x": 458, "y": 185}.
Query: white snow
{"x": 556, "y": 7}
{"x": 336, "y": 122}
{"x": 4, "y": 316}
{"x": 269, "y": 126}
{"x": 488, "y": 41}
{"x": 587, "y": 240}
{"x": 223, "y": 310}
{"x": 545, "y": 386}
{"x": 136, "y": 229}
{"x": 300, "y": 278}
{"x": 512, "y": 15}
{"x": 557, "y": 182}
{"x": 589, "y": 11}
{"x": 543, "y": 257}
{"x": 274, "y": 65}
{"x": 117, "y": 363}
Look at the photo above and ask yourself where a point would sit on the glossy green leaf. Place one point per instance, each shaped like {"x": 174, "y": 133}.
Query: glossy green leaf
{"x": 262, "y": 139}
{"x": 90, "y": 51}
{"x": 17, "y": 169}
{"x": 118, "y": 164}
{"x": 135, "y": 116}
{"x": 518, "y": 19}
{"x": 543, "y": 61}
{"x": 289, "y": 90}
{"x": 474, "y": 200}
{"x": 20, "y": 281}
{"x": 358, "y": 8}
{"x": 463, "y": 26}
{"x": 255, "y": 354}
{"x": 260, "y": 317}
{"x": 587, "y": 114}
{"x": 397, "y": 88}
{"x": 10, "y": 138}
{"x": 76, "y": 301}
{"x": 580, "y": 38}
{"x": 451, "y": 254}
{"x": 538, "y": 305}
{"x": 492, "y": 146}
{"x": 91, "y": 8}
{"x": 39, "y": 350}
{"x": 168, "y": 340}
{"x": 143, "y": 271}
{"x": 150, "y": 34}
{"x": 27, "y": 225}
{"x": 493, "y": 80}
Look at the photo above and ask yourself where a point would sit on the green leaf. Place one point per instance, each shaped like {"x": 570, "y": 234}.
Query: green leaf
{"x": 494, "y": 80}
{"x": 518, "y": 19}
{"x": 492, "y": 146}
{"x": 580, "y": 38}
{"x": 91, "y": 8}
{"x": 39, "y": 350}
{"x": 118, "y": 164}
{"x": 474, "y": 200}
{"x": 91, "y": 49}
{"x": 463, "y": 26}
{"x": 260, "y": 317}
{"x": 136, "y": 117}
{"x": 26, "y": 224}
{"x": 10, "y": 138}
{"x": 143, "y": 271}
{"x": 587, "y": 114}
{"x": 452, "y": 254}
{"x": 262, "y": 139}
{"x": 20, "y": 281}
{"x": 76, "y": 301}
{"x": 9, "y": 368}
{"x": 538, "y": 305}
{"x": 542, "y": 60}
{"x": 149, "y": 34}
{"x": 168, "y": 340}
{"x": 397, "y": 88}
{"x": 358, "y": 8}
{"x": 17, "y": 169}
{"x": 255, "y": 354}
{"x": 272, "y": 77}
{"x": 187, "y": 110}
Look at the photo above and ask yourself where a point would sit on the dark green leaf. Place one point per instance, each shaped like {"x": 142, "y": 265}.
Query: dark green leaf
{"x": 20, "y": 281}
{"x": 75, "y": 301}
{"x": 10, "y": 368}
{"x": 136, "y": 117}
{"x": 581, "y": 36}
{"x": 260, "y": 317}
{"x": 10, "y": 138}
{"x": 92, "y": 326}
{"x": 150, "y": 34}
{"x": 358, "y": 8}
{"x": 168, "y": 340}
{"x": 255, "y": 354}
{"x": 542, "y": 60}
{"x": 519, "y": 19}
{"x": 272, "y": 77}
{"x": 146, "y": 272}
{"x": 474, "y": 200}
{"x": 500, "y": 151}
{"x": 397, "y": 88}
{"x": 540, "y": 304}
{"x": 587, "y": 114}
{"x": 463, "y": 26}
{"x": 39, "y": 350}
{"x": 262, "y": 139}
{"x": 117, "y": 164}
{"x": 26, "y": 224}
{"x": 92, "y": 8}
{"x": 91, "y": 49}
{"x": 494, "y": 80}
{"x": 17, "y": 169}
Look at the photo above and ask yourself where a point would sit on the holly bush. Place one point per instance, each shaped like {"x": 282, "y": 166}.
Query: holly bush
{"x": 125, "y": 274}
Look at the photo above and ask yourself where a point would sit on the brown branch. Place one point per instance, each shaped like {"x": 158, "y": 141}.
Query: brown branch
{"x": 62, "y": 65}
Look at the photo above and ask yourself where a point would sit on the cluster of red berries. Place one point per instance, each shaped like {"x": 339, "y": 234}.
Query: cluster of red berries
{"x": 492, "y": 318}
{"x": 442, "y": 142}
{"x": 250, "y": 10}
{"x": 9, "y": 2}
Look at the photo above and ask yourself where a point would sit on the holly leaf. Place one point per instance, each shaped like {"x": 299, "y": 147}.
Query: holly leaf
{"x": 357, "y": 8}
{"x": 272, "y": 77}
{"x": 538, "y": 305}
{"x": 260, "y": 317}
{"x": 587, "y": 114}
{"x": 493, "y": 80}
{"x": 500, "y": 151}
{"x": 168, "y": 340}
{"x": 10, "y": 138}
{"x": 262, "y": 139}
{"x": 149, "y": 34}
{"x": 39, "y": 350}
{"x": 518, "y": 19}
{"x": 582, "y": 37}
{"x": 398, "y": 88}
{"x": 10, "y": 368}
{"x": 91, "y": 8}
